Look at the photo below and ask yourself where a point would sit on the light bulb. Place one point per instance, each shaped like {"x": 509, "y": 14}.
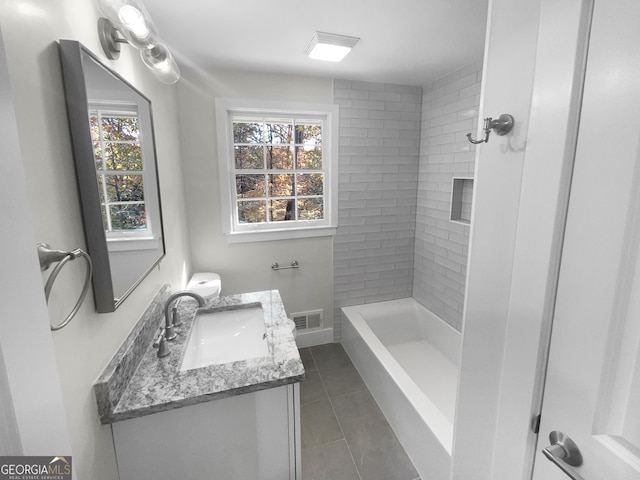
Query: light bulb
{"x": 161, "y": 63}
{"x": 132, "y": 19}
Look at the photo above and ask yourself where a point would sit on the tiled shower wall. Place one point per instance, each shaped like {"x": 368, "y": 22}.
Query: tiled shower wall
{"x": 378, "y": 181}
{"x": 449, "y": 112}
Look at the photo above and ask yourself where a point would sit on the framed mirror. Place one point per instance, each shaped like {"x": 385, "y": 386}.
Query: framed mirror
{"x": 114, "y": 151}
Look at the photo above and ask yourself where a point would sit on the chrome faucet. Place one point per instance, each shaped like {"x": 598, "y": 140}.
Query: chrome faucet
{"x": 169, "y": 315}
{"x": 161, "y": 344}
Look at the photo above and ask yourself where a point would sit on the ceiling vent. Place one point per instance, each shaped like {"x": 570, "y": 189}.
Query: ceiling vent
{"x": 329, "y": 46}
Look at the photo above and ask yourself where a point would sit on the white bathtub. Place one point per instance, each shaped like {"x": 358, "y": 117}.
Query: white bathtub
{"x": 409, "y": 360}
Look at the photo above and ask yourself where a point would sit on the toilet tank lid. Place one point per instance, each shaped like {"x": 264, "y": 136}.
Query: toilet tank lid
{"x": 205, "y": 283}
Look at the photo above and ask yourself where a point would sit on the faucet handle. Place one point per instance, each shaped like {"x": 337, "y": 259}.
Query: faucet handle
{"x": 161, "y": 344}
{"x": 175, "y": 316}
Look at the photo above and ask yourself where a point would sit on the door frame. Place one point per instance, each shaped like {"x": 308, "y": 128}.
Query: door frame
{"x": 522, "y": 191}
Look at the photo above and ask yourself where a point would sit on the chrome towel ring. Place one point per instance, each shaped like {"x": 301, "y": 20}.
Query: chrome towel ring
{"x": 47, "y": 257}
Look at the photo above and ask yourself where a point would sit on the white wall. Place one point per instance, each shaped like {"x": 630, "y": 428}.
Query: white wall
{"x": 533, "y": 68}
{"x": 449, "y": 112}
{"x": 83, "y": 348}
{"x": 247, "y": 266}
{"x": 379, "y": 149}
{"x": 494, "y": 225}
{"x": 32, "y": 416}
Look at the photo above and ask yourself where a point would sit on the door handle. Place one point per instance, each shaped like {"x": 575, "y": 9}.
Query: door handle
{"x": 564, "y": 453}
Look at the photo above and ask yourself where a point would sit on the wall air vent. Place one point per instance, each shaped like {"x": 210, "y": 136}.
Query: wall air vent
{"x": 307, "y": 320}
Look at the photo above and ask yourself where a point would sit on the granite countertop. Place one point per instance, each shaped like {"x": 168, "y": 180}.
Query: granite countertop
{"x": 136, "y": 382}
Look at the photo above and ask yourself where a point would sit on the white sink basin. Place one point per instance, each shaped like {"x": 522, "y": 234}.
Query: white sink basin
{"x": 225, "y": 336}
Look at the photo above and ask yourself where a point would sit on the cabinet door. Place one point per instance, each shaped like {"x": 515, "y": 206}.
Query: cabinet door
{"x": 244, "y": 436}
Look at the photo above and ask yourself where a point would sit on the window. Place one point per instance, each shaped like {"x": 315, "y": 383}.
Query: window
{"x": 276, "y": 171}
{"x": 116, "y": 147}
{"x": 125, "y": 174}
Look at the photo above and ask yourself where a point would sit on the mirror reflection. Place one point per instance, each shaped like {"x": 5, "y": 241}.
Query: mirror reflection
{"x": 114, "y": 150}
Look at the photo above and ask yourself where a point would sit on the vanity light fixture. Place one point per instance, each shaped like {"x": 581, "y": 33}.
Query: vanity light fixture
{"x": 127, "y": 21}
{"x": 329, "y": 46}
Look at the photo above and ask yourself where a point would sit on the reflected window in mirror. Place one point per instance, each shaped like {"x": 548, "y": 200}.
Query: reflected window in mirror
{"x": 114, "y": 151}
{"x": 120, "y": 172}
{"x": 117, "y": 152}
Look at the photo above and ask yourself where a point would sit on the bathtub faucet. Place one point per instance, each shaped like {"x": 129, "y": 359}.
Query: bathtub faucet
{"x": 170, "y": 316}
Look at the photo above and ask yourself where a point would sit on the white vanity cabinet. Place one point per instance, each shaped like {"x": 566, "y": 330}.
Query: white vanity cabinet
{"x": 253, "y": 436}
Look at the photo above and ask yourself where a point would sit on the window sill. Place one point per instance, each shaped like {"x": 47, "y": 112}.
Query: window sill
{"x": 125, "y": 244}
{"x": 285, "y": 234}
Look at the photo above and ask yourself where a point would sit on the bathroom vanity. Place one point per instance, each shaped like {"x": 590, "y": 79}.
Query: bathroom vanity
{"x": 239, "y": 419}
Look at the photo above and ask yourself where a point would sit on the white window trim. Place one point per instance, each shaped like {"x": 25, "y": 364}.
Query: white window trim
{"x": 225, "y": 107}
{"x": 144, "y": 239}
{"x": 136, "y": 243}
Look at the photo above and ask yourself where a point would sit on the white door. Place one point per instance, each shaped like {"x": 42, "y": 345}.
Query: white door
{"x": 592, "y": 391}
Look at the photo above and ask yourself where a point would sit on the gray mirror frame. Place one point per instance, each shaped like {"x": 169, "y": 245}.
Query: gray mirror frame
{"x": 71, "y": 53}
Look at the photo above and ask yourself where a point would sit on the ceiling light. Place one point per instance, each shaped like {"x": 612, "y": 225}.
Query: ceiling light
{"x": 132, "y": 20}
{"x": 129, "y": 22}
{"x": 329, "y": 46}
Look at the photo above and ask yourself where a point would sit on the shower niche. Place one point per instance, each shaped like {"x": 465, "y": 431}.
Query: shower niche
{"x": 461, "y": 198}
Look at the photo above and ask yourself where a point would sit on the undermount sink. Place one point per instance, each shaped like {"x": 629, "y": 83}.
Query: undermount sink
{"x": 225, "y": 336}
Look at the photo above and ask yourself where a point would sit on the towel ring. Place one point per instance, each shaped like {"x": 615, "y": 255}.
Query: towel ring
{"x": 47, "y": 256}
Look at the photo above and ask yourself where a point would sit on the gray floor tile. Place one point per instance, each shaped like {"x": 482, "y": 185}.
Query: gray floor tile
{"x": 307, "y": 359}
{"x": 330, "y": 461}
{"x": 330, "y": 356}
{"x": 356, "y": 431}
{"x": 376, "y": 450}
{"x": 319, "y": 424}
{"x": 342, "y": 381}
{"x": 311, "y": 389}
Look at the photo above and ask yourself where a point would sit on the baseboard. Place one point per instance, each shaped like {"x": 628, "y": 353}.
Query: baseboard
{"x": 314, "y": 337}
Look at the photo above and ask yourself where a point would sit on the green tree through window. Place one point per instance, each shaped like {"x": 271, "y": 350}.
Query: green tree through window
{"x": 119, "y": 169}
{"x": 279, "y": 175}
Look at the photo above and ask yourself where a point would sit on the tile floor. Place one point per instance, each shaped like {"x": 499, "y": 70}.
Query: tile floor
{"x": 344, "y": 434}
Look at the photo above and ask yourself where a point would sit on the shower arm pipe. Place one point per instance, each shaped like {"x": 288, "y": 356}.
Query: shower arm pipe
{"x": 501, "y": 126}
{"x": 294, "y": 264}
{"x": 47, "y": 256}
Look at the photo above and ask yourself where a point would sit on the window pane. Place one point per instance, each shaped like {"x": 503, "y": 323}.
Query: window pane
{"x": 308, "y": 134}
{"x": 123, "y": 156}
{"x": 248, "y": 157}
{"x": 310, "y": 184}
{"x": 247, "y": 132}
{"x": 121, "y": 128}
{"x": 282, "y": 210}
{"x": 250, "y": 186}
{"x": 281, "y": 185}
{"x": 252, "y": 212}
{"x": 278, "y": 169}
{"x": 103, "y": 207}
{"x": 309, "y": 158}
{"x": 101, "y": 188}
{"x": 310, "y": 209}
{"x": 128, "y": 217}
{"x": 279, "y": 133}
{"x": 97, "y": 153}
{"x": 93, "y": 124}
{"x": 280, "y": 158}
{"x": 124, "y": 188}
